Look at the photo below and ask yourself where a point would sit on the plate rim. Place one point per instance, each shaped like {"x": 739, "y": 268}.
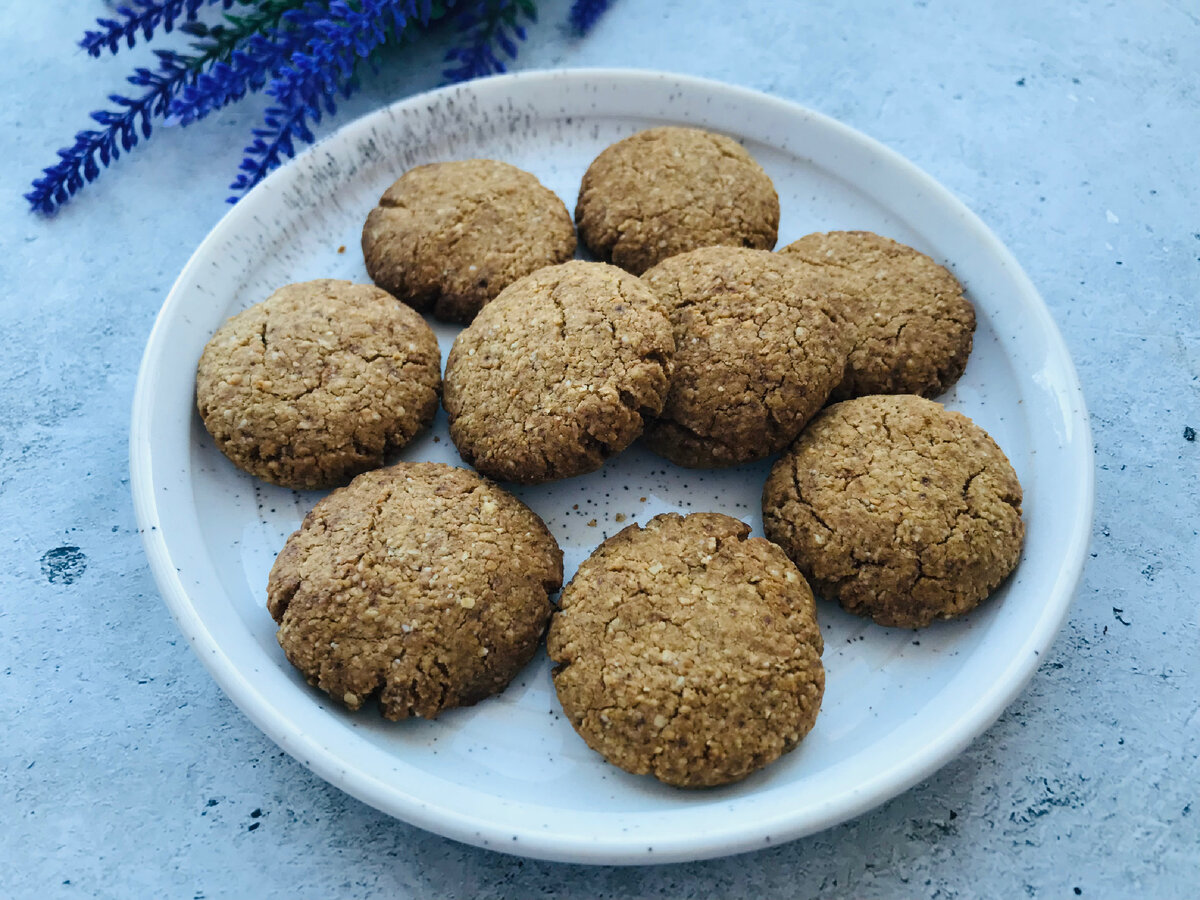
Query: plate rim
{"x": 453, "y": 823}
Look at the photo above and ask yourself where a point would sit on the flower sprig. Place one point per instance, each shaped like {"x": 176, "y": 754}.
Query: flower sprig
{"x": 248, "y": 48}
{"x": 585, "y": 13}
{"x": 144, "y": 16}
{"x": 304, "y": 54}
{"x": 499, "y": 26}
{"x": 306, "y": 85}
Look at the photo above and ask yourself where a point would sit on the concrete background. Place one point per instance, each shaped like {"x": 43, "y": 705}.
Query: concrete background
{"x": 1071, "y": 128}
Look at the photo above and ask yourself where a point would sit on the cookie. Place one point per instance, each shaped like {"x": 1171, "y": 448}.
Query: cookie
{"x": 897, "y": 508}
{"x": 421, "y": 584}
{"x": 318, "y": 383}
{"x": 558, "y": 373}
{"x": 668, "y": 190}
{"x": 448, "y": 237}
{"x": 688, "y": 650}
{"x": 758, "y": 348}
{"x": 913, "y": 326}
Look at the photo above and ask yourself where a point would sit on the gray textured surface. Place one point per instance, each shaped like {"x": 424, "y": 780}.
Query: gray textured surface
{"x": 1070, "y": 128}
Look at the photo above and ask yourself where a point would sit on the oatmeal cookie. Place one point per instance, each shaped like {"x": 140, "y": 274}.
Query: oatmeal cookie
{"x": 420, "y": 584}
{"x": 897, "y": 508}
{"x": 318, "y": 382}
{"x": 913, "y": 327}
{"x": 688, "y": 650}
{"x": 449, "y": 236}
{"x": 759, "y": 345}
{"x": 558, "y": 373}
{"x": 668, "y": 190}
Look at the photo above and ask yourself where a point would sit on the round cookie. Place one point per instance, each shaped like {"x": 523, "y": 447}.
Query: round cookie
{"x": 558, "y": 373}
{"x": 318, "y": 382}
{"x": 913, "y": 326}
{"x": 758, "y": 348}
{"x": 688, "y": 651}
{"x": 448, "y": 237}
{"x": 421, "y": 584}
{"x": 668, "y": 190}
{"x": 897, "y": 508}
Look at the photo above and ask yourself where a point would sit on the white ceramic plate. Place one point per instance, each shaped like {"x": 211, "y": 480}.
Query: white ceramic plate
{"x": 510, "y": 773}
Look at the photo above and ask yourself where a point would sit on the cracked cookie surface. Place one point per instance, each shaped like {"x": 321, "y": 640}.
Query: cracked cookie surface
{"x": 688, "y": 650}
{"x": 897, "y": 508}
{"x": 667, "y": 190}
{"x": 318, "y": 382}
{"x": 758, "y": 348}
{"x": 421, "y": 584}
{"x": 558, "y": 373}
{"x": 913, "y": 328}
{"x": 448, "y": 237}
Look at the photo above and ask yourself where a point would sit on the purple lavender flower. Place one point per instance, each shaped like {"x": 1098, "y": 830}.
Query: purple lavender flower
{"x": 77, "y": 164}
{"x": 304, "y": 53}
{"x": 585, "y": 13}
{"x": 306, "y": 85}
{"x": 489, "y": 26}
{"x": 144, "y": 16}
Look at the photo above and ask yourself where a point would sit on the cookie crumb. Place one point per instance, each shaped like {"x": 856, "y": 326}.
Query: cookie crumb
{"x": 619, "y": 517}
{"x": 342, "y": 249}
{"x": 592, "y": 523}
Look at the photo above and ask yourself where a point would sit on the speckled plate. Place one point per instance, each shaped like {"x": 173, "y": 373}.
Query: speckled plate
{"x": 510, "y": 773}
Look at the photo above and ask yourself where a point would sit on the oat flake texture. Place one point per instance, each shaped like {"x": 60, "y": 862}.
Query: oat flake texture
{"x": 759, "y": 345}
{"x": 558, "y": 373}
{"x": 688, "y": 650}
{"x": 913, "y": 328}
{"x": 667, "y": 190}
{"x": 421, "y": 584}
{"x": 318, "y": 383}
{"x": 449, "y": 236}
{"x": 897, "y": 508}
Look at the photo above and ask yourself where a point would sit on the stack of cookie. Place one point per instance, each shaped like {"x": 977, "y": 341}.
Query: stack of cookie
{"x": 685, "y": 649}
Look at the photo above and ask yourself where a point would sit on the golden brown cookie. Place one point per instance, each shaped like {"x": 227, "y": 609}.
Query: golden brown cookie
{"x": 897, "y": 508}
{"x": 668, "y": 190}
{"x": 688, "y": 651}
{"x": 758, "y": 348}
{"x": 318, "y": 382}
{"x": 421, "y": 584}
{"x": 448, "y": 237}
{"x": 558, "y": 373}
{"x": 913, "y": 326}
